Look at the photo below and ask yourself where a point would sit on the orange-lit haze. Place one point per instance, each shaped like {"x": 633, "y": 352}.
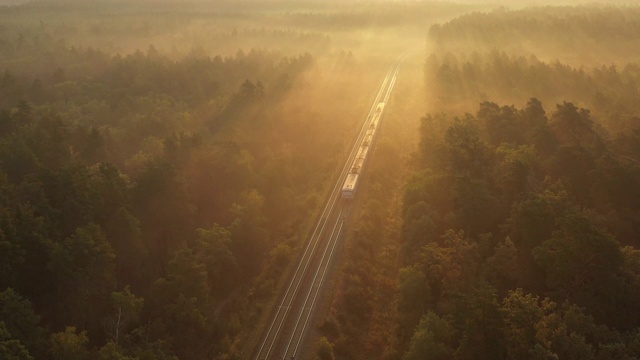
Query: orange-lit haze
{"x": 165, "y": 164}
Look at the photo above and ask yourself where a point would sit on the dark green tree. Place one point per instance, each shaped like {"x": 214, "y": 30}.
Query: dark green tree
{"x": 69, "y": 345}
{"x": 433, "y": 339}
{"x": 126, "y": 310}
{"x": 414, "y": 298}
{"x": 22, "y": 324}
{"x": 212, "y": 250}
{"x": 581, "y": 262}
{"x": 83, "y": 268}
{"x": 11, "y": 349}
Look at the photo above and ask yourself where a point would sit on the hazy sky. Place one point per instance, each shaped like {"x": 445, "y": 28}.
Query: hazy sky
{"x": 507, "y": 3}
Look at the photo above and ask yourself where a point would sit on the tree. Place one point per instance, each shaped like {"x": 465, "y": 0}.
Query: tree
{"x": 212, "y": 250}
{"x": 6, "y": 123}
{"x": 581, "y": 262}
{"x": 325, "y": 349}
{"x": 538, "y": 132}
{"x": 468, "y": 155}
{"x": 69, "y": 345}
{"x": 25, "y": 241}
{"x": 475, "y": 207}
{"x": 522, "y": 314}
{"x": 111, "y": 351}
{"x": 418, "y": 229}
{"x": 74, "y": 196}
{"x": 616, "y": 185}
{"x": 248, "y": 233}
{"x": 477, "y": 317}
{"x": 500, "y": 123}
{"x": 12, "y": 252}
{"x": 216, "y": 176}
{"x": 126, "y": 313}
{"x": 533, "y": 220}
{"x": 21, "y": 323}
{"x": 501, "y": 268}
{"x": 630, "y": 273}
{"x": 540, "y": 353}
{"x": 450, "y": 268}
{"x": 433, "y": 339}
{"x": 574, "y": 126}
{"x": 566, "y": 332}
{"x": 11, "y": 349}
{"x": 516, "y": 173}
{"x": 414, "y": 297}
{"x": 18, "y": 159}
{"x": 123, "y": 232}
{"x": 23, "y": 114}
{"x": 83, "y": 268}
{"x": 186, "y": 276}
{"x": 161, "y": 202}
{"x": 180, "y": 303}
{"x": 189, "y": 332}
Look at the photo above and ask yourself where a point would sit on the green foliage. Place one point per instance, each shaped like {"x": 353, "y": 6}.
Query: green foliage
{"x": 82, "y": 266}
{"x": 467, "y": 153}
{"x": 517, "y": 175}
{"x": 123, "y": 232}
{"x": 281, "y": 256}
{"x": 126, "y": 313}
{"x": 414, "y": 296}
{"x": 365, "y": 306}
{"x": 162, "y": 204}
{"x": 432, "y": 339}
{"x": 546, "y": 200}
{"x": 186, "y": 276}
{"x": 180, "y": 304}
{"x": 521, "y": 314}
{"x": 111, "y": 351}
{"x": 70, "y": 345}
{"x": 419, "y": 228}
{"x": 21, "y": 325}
{"x": 502, "y": 268}
{"x": 186, "y": 176}
{"x": 578, "y": 33}
{"x": 325, "y": 349}
{"x": 112, "y": 159}
{"x": 12, "y": 254}
{"x": 249, "y": 237}
{"x": 582, "y": 263}
{"x": 477, "y": 318}
{"x": 453, "y": 266}
{"x": 11, "y": 349}
{"x": 212, "y": 249}
{"x": 464, "y": 80}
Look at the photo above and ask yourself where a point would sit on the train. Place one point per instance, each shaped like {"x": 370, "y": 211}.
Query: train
{"x": 351, "y": 182}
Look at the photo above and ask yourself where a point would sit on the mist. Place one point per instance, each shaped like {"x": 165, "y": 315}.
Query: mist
{"x": 164, "y": 165}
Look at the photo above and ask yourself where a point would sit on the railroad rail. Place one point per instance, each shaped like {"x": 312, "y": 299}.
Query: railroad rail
{"x": 284, "y": 336}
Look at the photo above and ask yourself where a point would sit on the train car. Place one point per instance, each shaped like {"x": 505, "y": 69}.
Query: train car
{"x": 362, "y": 152}
{"x": 358, "y": 164}
{"x": 367, "y": 140}
{"x": 349, "y": 187}
{"x": 374, "y": 122}
{"x": 351, "y": 182}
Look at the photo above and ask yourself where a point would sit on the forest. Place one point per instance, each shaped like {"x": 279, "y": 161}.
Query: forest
{"x": 160, "y": 169}
{"x": 520, "y": 223}
{"x": 134, "y": 201}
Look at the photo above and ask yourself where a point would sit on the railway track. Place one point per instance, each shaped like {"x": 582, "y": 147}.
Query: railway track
{"x": 284, "y": 336}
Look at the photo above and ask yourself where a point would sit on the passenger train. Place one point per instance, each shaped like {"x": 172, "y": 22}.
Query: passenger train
{"x": 351, "y": 182}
